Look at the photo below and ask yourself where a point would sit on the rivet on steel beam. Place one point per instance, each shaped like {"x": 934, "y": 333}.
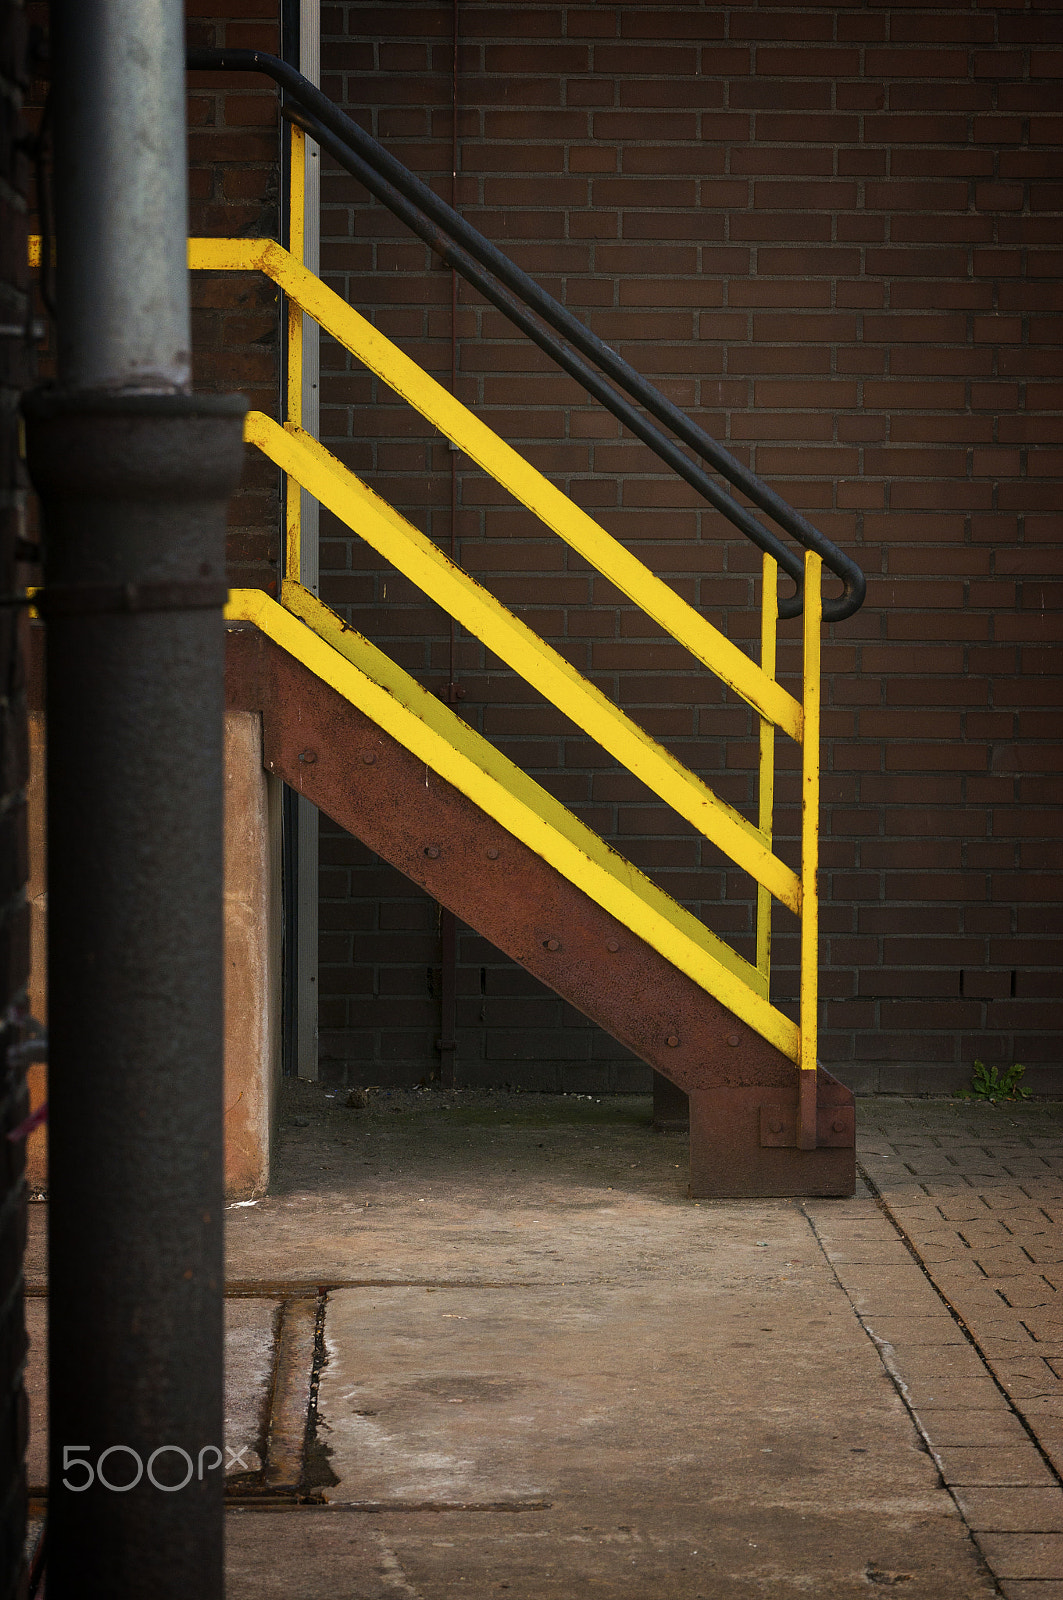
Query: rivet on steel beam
{"x": 733, "y": 1040}
{"x": 612, "y": 945}
{"x": 838, "y": 1125}
{"x": 369, "y": 757}
{"x": 432, "y": 851}
{"x": 672, "y": 1040}
{"x": 551, "y": 944}
{"x": 775, "y": 1125}
{"x": 308, "y": 757}
{"x": 492, "y": 854}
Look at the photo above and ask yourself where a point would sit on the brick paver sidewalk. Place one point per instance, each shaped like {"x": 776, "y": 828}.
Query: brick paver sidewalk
{"x": 957, "y": 1277}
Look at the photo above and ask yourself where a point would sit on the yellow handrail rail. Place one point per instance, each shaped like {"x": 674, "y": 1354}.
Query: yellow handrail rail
{"x": 742, "y": 986}
{"x": 369, "y": 679}
{"x": 335, "y": 486}
{"x": 308, "y": 464}
{"x": 687, "y": 626}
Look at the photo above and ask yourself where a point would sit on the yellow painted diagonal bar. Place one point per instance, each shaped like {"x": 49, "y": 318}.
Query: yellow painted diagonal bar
{"x": 413, "y": 554}
{"x": 507, "y": 467}
{"x": 367, "y": 678}
{"x": 520, "y": 789}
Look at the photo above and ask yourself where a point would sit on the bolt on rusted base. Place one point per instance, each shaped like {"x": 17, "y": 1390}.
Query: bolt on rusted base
{"x": 743, "y": 1142}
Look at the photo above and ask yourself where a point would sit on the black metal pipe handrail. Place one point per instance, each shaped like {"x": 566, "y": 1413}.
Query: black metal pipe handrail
{"x": 513, "y": 292}
{"x": 572, "y": 363}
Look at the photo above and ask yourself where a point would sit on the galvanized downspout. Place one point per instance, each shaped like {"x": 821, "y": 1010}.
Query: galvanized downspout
{"x": 134, "y": 473}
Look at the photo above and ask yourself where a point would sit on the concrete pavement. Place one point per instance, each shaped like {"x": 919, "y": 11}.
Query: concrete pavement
{"x": 484, "y": 1345}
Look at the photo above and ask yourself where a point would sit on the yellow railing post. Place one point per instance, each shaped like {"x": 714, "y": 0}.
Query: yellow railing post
{"x": 741, "y": 986}
{"x": 806, "y": 1133}
{"x": 296, "y": 236}
{"x": 425, "y": 565}
{"x": 501, "y": 462}
{"x": 769, "y": 616}
{"x": 335, "y": 653}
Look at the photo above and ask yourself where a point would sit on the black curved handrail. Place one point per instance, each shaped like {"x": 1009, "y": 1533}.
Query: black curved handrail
{"x": 512, "y": 307}
{"x": 516, "y": 294}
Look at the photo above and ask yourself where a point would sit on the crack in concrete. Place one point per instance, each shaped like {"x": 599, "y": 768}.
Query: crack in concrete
{"x": 886, "y": 1356}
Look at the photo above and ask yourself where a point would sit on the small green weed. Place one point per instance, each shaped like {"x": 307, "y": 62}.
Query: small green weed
{"x": 990, "y": 1083}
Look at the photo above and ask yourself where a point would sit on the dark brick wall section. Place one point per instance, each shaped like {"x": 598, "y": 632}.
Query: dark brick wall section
{"x": 16, "y": 367}
{"x": 234, "y": 191}
{"x": 833, "y": 233}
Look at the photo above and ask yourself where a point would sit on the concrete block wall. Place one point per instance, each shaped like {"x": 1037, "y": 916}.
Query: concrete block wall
{"x": 831, "y": 232}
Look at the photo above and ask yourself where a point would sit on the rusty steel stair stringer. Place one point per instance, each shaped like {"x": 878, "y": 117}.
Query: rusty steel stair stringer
{"x": 742, "y": 1090}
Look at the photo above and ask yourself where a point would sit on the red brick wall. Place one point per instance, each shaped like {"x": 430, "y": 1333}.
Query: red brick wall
{"x": 234, "y": 191}
{"x": 16, "y": 371}
{"x": 831, "y": 232}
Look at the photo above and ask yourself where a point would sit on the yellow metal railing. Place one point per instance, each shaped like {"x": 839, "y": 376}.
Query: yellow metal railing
{"x": 412, "y": 553}
{"x": 357, "y": 669}
{"x": 506, "y": 466}
{"x": 294, "y": 398}
{"x": 365, "y": 675}
{"x": 741, "y": 985}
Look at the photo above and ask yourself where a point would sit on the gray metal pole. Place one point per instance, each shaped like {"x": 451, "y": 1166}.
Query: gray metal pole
{"x": 121, "y": 194}
{"x": 134, "y": 473}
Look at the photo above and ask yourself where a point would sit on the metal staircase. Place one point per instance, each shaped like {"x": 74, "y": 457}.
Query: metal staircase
{"x": 385, "y": 759}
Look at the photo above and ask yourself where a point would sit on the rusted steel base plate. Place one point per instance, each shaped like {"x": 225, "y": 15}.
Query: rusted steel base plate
{"x": 729, "y": 1157}
{"x": 376, "y": 789}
